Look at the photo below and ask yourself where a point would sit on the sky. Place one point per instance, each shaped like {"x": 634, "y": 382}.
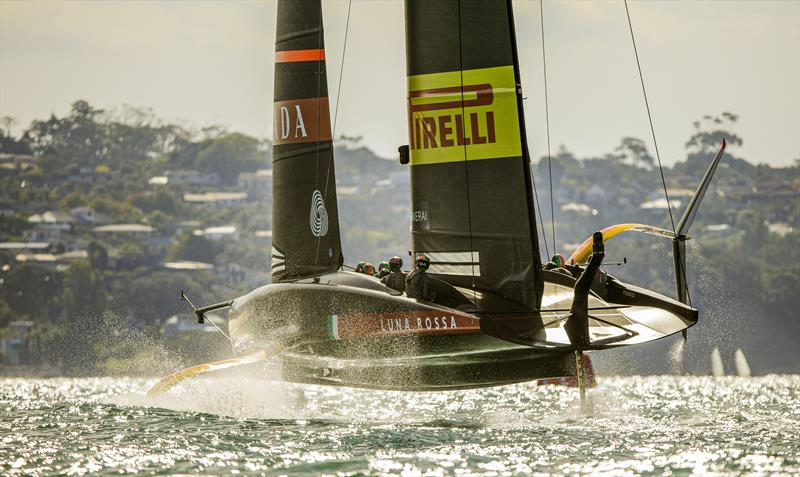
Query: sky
{"x": 211, "y": 62}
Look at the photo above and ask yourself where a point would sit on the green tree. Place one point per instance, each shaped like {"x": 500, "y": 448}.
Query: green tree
{"x": 98, "y": 255}
{"x": 229, "y": 155}
{"x": 84, "y": 292}
{"x": 635, "y": 150}
{"x": 84, "y": 297}
{"x": 196, "y": 248}
{"x": 709, "y": 132}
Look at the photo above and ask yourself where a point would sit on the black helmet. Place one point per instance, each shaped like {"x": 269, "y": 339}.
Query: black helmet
{"x": 395, "y": 263}
{"x": 423, "y": 262}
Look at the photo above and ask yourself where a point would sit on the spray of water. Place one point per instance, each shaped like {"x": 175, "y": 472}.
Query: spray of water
{"x": 676, "y": 356}
{"x": 742, "y": 367}
{"x": 716, "y": 364}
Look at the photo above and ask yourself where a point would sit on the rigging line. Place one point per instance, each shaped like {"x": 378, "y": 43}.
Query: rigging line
{"x": 466, "y": 163}
{"x": 539, "y": 211}
{"x": 319, "y": 122}
{"x": 335, "y": 118}
{"x": 218, "y": 328}
{"x": 547, "y": 122}
{"x": 655, "y": 143}
{"x": 649, "y": 116}
{"x": 341, "y": 72}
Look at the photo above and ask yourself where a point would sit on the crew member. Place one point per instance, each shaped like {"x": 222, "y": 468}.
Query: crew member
{"x": 396, "y": 279}
{"x": 556, "y": 264}
{"x": 360, "y": 267}
{"x": 368, "y": 269}
{"x": 417, "y": 281}
{"x": 383, "y": 269}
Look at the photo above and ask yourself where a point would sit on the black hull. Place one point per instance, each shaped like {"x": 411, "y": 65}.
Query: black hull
{"x": 348, "y": 329}
{"x": 428, "y": 372}
{"x": 454, "y": 358}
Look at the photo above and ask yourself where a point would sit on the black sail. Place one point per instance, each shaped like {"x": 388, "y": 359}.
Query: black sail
{"x": 470, "y": 175}
{"x": 305, "y": 219}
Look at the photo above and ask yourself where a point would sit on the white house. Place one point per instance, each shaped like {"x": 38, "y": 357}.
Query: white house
{"x": 216, "y": 199}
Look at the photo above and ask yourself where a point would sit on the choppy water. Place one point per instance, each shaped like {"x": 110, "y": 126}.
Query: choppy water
{"x": 638, "y": 425}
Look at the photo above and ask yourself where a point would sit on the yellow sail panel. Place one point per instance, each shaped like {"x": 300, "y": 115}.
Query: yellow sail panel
{"x": 450, "y": 122}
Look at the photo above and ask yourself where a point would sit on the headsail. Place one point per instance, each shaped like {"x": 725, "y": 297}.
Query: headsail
{"x": 305, "y": 219}
{"x": 470, "y": 174}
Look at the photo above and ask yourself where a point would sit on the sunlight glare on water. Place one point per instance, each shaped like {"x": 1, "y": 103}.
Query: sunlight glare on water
{"x": 693, "y": 425}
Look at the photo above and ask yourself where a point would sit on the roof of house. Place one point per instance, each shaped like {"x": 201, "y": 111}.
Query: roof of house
{"x": 124, "y": 228}
{"x": 24, "y": 245}
{"x": 221, "y": 230}
{"x": 188, "y": 265}
{"x": 50, "y": 217}
{"x": 214, "y": 196}
{"x": 660, "y": 204}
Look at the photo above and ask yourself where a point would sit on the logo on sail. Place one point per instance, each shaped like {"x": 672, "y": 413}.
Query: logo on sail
{"x": 301, "y": 120}
{"x": 319, "y": 216}
{"x": 463, "y": 115}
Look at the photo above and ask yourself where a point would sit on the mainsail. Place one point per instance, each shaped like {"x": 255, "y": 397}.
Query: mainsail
{"x": 470, "y": 168}
{"x": 305, "y": 219}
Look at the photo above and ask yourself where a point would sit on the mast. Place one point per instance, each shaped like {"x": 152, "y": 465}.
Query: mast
{"x": 305, "y": 219}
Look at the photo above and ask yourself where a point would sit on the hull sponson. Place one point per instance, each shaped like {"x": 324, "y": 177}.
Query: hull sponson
{"x": 469, "y": 166}
{"x": 305, "y": 218}
{"x": 299, "y": 315}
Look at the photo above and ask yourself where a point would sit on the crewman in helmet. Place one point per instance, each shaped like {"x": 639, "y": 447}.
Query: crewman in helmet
{"x": 417, "y": 282}
{"x": 396, "y": 279}
{"x": 383, "y": 269}
{"x": 368, "y": 269}
{"x": 360, "y": 267}
{"x": 556, "y": 264}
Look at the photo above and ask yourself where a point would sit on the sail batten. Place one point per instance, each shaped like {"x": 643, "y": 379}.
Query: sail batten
{"x": 469, "y": 162}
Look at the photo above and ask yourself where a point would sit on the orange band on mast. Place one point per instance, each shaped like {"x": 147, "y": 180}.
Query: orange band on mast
{"x": 292, "y": 56}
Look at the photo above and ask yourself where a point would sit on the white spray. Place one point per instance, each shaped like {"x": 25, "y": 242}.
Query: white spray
{"x": 676, "y": 356}
{"x": 742, "y": 367}
{"x": 716, "y": 364}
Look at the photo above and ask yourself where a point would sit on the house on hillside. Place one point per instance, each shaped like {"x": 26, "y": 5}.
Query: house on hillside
{"x": 226, "y": 232}
{"x": 16, "y": 345}
{"x": 259, "y": 180}
{"x": 263, "y": 236}
{"x": 131, "y": 230}
{"x": 216, "y": 199}
{"x": 191, "y": 177}
{"x": 184, "y": 323}
{"x": 88, "y": 174}
{"x": 87, "y": 215}
{"x": 595, "y": 195}
{"x": 48, "y": 226}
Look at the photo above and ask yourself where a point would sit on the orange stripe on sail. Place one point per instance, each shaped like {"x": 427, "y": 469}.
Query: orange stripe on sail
{"x": 292, "y": 56}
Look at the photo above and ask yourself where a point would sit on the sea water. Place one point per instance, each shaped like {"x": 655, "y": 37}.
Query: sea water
{"x": 632, "y": 425}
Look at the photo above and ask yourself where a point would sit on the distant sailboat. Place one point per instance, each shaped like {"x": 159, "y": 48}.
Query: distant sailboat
{"x": 717, "y": 370}
{"x": 742, "y": 367}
